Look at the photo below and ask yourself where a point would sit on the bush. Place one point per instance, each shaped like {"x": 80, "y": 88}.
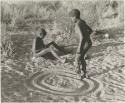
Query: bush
{"x": 6, "y": 19}
{"x": 7, "y": 47}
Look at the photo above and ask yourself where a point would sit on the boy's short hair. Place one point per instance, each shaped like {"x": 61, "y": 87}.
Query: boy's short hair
{"x": 74, "y": 13}
{"x": 42, "y": 30}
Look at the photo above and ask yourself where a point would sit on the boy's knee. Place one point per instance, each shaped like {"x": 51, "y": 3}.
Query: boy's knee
{"x": 52, "y": 43}
{"x": 51, "y": 46}
{"x": 83, "y": 61}
{"x": 90, "y": 43}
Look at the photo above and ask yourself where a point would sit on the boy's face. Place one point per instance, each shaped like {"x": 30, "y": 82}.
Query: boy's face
{"x": 73, "y": 19}
{"x": 42, "y": 35}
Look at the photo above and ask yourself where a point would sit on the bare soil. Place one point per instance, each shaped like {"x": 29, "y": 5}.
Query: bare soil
{"x": 47, "y": 80}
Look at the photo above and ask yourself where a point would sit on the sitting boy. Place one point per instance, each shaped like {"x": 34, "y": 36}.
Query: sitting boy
{"x": 84, "y": 31}
{"x": 39, "y": 48}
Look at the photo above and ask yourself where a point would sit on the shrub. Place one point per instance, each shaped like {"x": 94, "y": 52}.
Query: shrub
{"x": 7, "y": 47}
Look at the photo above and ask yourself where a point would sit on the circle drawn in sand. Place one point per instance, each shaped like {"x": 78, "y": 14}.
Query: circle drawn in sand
{"x": 62, "y": 83}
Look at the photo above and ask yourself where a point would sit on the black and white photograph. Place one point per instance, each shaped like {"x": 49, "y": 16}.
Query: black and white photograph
{"x": 62, "y": 51}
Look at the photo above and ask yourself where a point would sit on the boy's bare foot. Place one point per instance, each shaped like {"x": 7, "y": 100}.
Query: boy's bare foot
{"x": 63, "y": 60}
{"x": 85, "y": 76}
{"x": 33, "y": 58}
{"x": 82, "y": 77}
{"x": 87, "y": 56}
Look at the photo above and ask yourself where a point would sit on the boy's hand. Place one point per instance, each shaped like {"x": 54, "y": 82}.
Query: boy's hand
{"x": 33, "y": 59}
{"x": 94, "y": 32}
{"x": 63, "y": 60}
{"x": 77, "y": 57}
{"x": 77, "y": 60}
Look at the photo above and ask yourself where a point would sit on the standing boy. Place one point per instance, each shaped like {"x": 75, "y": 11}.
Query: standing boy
{"x": 84, "y": 31}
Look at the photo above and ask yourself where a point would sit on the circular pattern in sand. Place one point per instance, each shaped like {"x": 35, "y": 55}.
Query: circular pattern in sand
{"x": 62, "y": 83}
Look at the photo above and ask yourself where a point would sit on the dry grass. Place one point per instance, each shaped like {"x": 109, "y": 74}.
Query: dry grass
{"x": 94, "y": 13}
{"x": 105, "y": 63}
{"x": 7, "y": 47}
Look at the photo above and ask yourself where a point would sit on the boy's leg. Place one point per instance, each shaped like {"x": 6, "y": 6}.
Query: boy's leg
{"x": 55, "y": 55}
{"x": 47, "y": 50}
{"x": 86, "y": 47}
{"x": 83, "y": 62}
{"x": 77, "y": 63}
{"x": 42, "y": 52}
{"x": 56, "y": 46}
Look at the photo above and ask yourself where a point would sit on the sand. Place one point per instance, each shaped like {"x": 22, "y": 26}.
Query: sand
{"x": 46, "y": 80}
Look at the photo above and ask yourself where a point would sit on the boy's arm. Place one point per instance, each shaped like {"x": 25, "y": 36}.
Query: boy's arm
{"x": 33, "y": 46}
{"x": 89, "y": 29}
{"x": 79, "y": 49}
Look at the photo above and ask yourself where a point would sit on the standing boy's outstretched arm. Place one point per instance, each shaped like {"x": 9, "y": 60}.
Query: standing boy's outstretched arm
{"x": 79, "y": 49}
{"x": 33, "y": 47}
{"x": 89, "y": 29}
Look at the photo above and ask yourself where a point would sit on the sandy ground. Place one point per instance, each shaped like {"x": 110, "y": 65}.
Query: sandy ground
{"x": 47, "y": 80}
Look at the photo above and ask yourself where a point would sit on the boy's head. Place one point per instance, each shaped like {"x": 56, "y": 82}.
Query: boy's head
{"x": 75, "y": 14}
{"x": 41, "y": 32}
